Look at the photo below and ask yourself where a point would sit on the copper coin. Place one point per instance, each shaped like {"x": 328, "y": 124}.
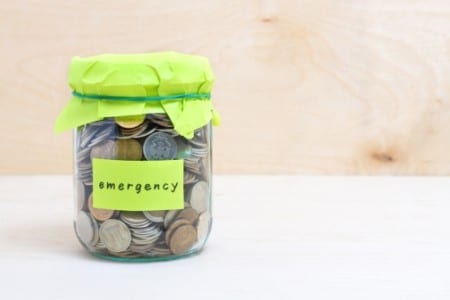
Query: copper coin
{"x": 99, "y": 214}
{"x": 129, "y": 149}
{"x": 130, "y": 121}
{"x": 183, "y": 238}
{"x": 174, "y": 226}
{"x": 189, "y": 214}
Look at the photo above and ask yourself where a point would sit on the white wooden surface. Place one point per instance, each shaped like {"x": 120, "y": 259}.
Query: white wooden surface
{"x": 303, "y": 86}
{"x": 273, "y": 238}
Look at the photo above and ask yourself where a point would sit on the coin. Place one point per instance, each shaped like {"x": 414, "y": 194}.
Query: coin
{"x": 199, "y": 196}
{"x": 177, "y": 223}
{"x": 87, "y": 133}
{"x": 192, "y": 164}
{"x": 199, "y": 152}
{"x": 135, "y": 219}
{"x": 115, "y": 235}
{"x": 169, "y": 217}
{"x": 146, "y": 132}
{"x": 99, "y": 214}
{"x": 203, "y": 225}
{"x": 108, "y": 132}
{"x": 130, "y": 121}
{"x": 182, "y": 239}
{"x": 155, "y": 216}
{"x": 160, "y": 119}
{"x": 81, "y": 195}
{"x": 189, "y": 177}
{"x": 105, "y": 150}
{"x": 129, "y": 149}
{"x": 160, "y": 250}
{"x": 159, "y": 146}
{"x": 135, "y": 131}
{"x": 200, "y": 138}
{"x": 86, "y": 228}
{"x": 100, "y": 245}
{"x": 147, "y": 233}
{"x": 146, "y": 236}
{"x": 189, "y": 214}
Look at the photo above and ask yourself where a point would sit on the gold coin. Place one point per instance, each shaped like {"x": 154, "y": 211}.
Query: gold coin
{"x": 129, "y": 149}
{"x": 182, "y": 239}
{"x": 99, "y": 214}
{"x": 130, "y": 121}
{"x": 189, "y": 214}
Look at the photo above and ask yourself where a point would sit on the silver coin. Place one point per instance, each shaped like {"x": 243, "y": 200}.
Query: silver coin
{"x": 83, "y": 155}
{"x": 160, "y": 251}
{"x": 115, "y": 235}
{"x": 81, "y": 195}
{"x": 147, "y": 132}
{"x": 203, "y": 226}
{"x": 189, "y": 178}
{"x": 199, "y": 196}
{"x": 87, "y": 133}
{"x": 155, "y": 216}
{"x": 159, "y": 146}
{"x": 169, "y": 131}
{"x": 192, "y": 164}
{"x": 108, "y": 133}
{"x": 169, "y": 217}
{"x": 162, "y": 120}
{"x": 141, "y": 249}
{"x": 86, "y": 228}
{"x": 200, "y": 138}
{"x": 100, "y": 245}
{"x": 146, "y": 236}
{"x": 134, "y": 219}
{"x": 125, "y": 254}
{"x": 199, "y": 152}
{"x": 105, "y": 150}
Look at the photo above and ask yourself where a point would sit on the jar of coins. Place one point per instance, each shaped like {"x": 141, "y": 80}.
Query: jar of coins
{"x": 142, "y": 154}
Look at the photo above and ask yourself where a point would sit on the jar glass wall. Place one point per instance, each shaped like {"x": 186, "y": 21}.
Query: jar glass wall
{"x": 142, "y": 234}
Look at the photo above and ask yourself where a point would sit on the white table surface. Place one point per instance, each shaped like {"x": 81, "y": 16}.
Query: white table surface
{"x": 272, "y": 238}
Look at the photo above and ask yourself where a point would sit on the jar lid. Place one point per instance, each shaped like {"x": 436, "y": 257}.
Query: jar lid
{"x": 113, "y": 85}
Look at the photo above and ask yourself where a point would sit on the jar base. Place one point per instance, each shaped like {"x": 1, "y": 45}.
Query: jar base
{"x": 146, "y": 259}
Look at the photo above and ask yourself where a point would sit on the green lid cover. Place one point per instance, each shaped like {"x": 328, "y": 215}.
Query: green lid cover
{"x": 113, "y": 85}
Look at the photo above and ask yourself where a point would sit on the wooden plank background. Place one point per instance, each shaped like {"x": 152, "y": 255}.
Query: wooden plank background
{"x": 303, "y": 87}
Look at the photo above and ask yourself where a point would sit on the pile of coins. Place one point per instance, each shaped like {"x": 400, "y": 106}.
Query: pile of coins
{"x": 143, "y": 233}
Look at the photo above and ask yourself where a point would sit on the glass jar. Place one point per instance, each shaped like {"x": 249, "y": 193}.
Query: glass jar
{"x": 142, "y": 182}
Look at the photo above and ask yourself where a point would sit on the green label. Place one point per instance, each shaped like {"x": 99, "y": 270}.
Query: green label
{"x": 138, "y": 185}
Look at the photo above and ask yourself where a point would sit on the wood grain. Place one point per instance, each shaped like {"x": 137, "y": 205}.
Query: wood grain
{"x": 310, "y": 86}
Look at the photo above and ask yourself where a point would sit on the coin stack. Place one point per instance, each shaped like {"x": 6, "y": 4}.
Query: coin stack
{"x": 143, "y": 233}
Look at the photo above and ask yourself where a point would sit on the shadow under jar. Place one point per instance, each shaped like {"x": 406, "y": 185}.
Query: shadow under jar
{"x": 142, "y": 187}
